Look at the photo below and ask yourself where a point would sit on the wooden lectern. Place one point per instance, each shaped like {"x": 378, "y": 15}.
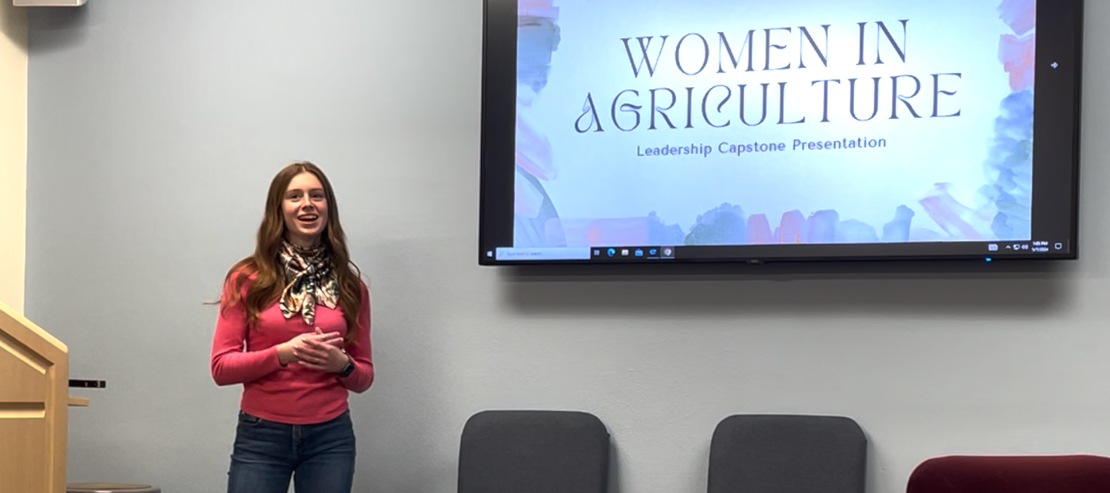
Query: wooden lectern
{"x": 34, "y": 400}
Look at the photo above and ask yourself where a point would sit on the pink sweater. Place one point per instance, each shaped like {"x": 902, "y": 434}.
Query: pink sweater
{"x": 292, "y": 393}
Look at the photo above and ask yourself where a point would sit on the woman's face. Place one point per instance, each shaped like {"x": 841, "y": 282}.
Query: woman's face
{"x": 305, "y": 208}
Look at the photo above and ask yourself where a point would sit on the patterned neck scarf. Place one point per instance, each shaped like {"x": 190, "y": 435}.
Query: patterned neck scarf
{"x": 309, "y": 280}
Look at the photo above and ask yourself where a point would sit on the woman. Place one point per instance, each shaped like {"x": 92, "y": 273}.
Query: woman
{"x": 294, "y": 329}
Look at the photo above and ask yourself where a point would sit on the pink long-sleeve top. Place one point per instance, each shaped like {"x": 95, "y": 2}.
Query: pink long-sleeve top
{"x": 292, "y": 393}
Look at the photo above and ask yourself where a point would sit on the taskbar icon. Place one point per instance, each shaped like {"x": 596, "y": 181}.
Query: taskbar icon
{"x": 631, "y": 253}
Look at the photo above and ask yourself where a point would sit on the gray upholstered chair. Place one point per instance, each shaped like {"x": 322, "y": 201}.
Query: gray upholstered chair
{"x": 534, "y": 452}
{"x": 787, "y": 454}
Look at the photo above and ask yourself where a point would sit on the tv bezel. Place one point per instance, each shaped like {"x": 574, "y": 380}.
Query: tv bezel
{"x": 1056, "y": 127}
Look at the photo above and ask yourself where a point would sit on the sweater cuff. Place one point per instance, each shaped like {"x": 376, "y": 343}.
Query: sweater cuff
{"x": 274, "y": 359}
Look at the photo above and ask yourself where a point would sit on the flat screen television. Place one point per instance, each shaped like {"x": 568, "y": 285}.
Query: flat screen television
{"x": 666, "y": 131}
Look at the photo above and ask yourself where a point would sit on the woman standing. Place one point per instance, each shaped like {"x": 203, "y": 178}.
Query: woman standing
{"x": 294, "y": 329}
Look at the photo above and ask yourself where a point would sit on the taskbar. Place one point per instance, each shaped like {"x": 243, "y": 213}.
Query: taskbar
{"x": 755, "y": 253}
{"x": 617, "y": 253}
{"x": 516, "y": 255}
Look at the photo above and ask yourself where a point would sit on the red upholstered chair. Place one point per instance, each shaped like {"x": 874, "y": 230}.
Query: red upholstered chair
{"x": 1012, "y": 474}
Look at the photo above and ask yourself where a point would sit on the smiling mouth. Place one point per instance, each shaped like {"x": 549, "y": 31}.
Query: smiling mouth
{"x": 308, "y": 218}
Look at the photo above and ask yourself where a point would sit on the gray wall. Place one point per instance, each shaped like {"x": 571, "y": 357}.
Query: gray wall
{"x": 156, "y": 126}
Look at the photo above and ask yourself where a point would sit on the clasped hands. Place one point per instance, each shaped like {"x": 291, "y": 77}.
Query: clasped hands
{"x": 315, "y": 350}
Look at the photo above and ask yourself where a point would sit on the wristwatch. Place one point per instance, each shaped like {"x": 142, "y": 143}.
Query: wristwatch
{"x": 350, "y": 368}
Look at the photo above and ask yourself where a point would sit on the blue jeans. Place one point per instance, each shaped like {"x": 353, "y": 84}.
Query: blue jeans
{"x": 319, "y": 457}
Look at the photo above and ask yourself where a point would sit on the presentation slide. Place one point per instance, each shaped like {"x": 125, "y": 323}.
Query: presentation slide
{"x": 714, "y": 122}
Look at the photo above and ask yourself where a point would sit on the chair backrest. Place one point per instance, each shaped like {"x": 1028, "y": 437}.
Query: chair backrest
{"x": 1011, "y": 474}
{"x": 787, "y": 453}
{"x": 534, "y": 452}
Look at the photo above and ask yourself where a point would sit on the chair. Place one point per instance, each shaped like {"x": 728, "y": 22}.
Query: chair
{"x": 534, "y": 452}
{"x": 787, "y": 454}
{"x": 1011, "y": 474}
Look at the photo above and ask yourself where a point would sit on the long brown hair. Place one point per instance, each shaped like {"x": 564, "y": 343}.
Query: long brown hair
{"x": 268, "y": 278}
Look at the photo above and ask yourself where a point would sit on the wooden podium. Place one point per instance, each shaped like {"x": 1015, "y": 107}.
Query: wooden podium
{"x": 34, "y": 400}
